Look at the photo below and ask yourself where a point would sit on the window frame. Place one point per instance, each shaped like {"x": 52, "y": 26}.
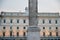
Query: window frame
{"x": 49, "y": 21}
{"x": 11, "y": 20}
{"x": 4, "y": 21}
{"x": 43, "y": 33}
{"x": 3, "y": 33}
{"x": 4, "y": 27}
{"x": 17, "y": 20}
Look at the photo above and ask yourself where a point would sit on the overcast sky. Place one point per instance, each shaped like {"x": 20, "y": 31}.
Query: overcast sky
{"x": 19, "y": 5}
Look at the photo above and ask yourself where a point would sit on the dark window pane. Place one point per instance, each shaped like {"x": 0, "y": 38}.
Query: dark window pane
{"x": 17, "y": 27}
{"x": 43, "y": 33}
{"x": 4, "y": 28}
{"x": 10, "y": 33}
{"x": 3, "y": 33}
{"x": 4, "y": 21}
{"x": 56, "y": 27}
{"x": 49, "y": 27}
{"x": 11, "y": 21}
{"x": 50, "y": 33}
{"x": 55, "y": 21}
{"x": 24, "y": 34}
{"x": 24, "y": 21}
{"x": 43, "y": 27}
{"x": 10, "y": 27}
{"x": 17, "y": 21}
{"x": 17, "y": 33}
{"x": 56, "y": 33}
{"x": 24, "y": 27}
{"x": 43, "y": 21}
{"x": 50, "y": 21}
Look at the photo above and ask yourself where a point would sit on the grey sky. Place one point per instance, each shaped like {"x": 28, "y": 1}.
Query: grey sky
{"x": 19, "y": 5}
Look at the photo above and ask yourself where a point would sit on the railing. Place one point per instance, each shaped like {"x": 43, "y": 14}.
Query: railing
{"x": 25, "y": 38}
{"x": 48, "y": 14}
{"x": 15, "y": 14}
{"x": 25, "y": 14}
{"x": 13, "y": 38}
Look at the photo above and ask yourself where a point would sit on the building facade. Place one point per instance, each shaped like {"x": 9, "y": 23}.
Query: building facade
{"x": 13, "y": 25}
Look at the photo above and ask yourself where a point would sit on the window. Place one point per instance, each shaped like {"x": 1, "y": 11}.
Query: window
{"x": 24, "y": 27}
{"x": 17, "y": 33}
{"x": 43, "y": 33}
{"x": 50, "y": 33}
{"x": 17, "y": 27}
{"x": 11, "y": 21}
{"x": 3, "y": 33}
{"x": 4, "y": 28}
{"x": 55, "y": 21}
{"x": 43, "y": 27}
{"x": 43, "y": 21}
{"x": 4, "y": 21}
{"x": 56, "y": 33}
{"x": 18, "y": 21}
{"x": 24, "y": 21}
{"x": 50, "y": 21}
{"x": 49, "y": 27}
{"x": 10, "y": 33}
{"x": 56, "y": 27}
{"x": 24, "y": 34}
{"x": 10, "y": 27}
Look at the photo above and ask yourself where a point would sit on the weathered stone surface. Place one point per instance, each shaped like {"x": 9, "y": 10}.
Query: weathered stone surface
{"x": 33, "y": 13}
{"x": 33, "y": 36}
{"x": 33, "y": 30}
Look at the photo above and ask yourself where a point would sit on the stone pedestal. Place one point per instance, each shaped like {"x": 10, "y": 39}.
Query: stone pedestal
{"x": 33, "y": 33}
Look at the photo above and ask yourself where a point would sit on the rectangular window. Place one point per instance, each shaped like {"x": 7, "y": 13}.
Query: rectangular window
{"x": 24, "y": 28}
{"x": 18, "y": 21}
{"x": 55, "y": 21}
{"x": 56, "y": 27}
{"x": 50, "y": 33}
{"x": 24, "y": 34}
{"x": 17, "y": 33}
{"x": 50, "y": 21}
{"x": 43, "y": 33}
{"x": 4, "y": 21}
{"x": 10, "y": 33}
{"x": 43, "y": 21}
{"x": 49, "y": 27}
{"x": 11, "y": 21}
{"x": 43, "y": 27}
{"x": 3, "y": 33}
{"x": 56, "y": 33}
{"x": 17, "y": 27}
{"x": 24, "y": 21}
{"x": 4, "y": 28}
{"x": 10, "y": 27}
